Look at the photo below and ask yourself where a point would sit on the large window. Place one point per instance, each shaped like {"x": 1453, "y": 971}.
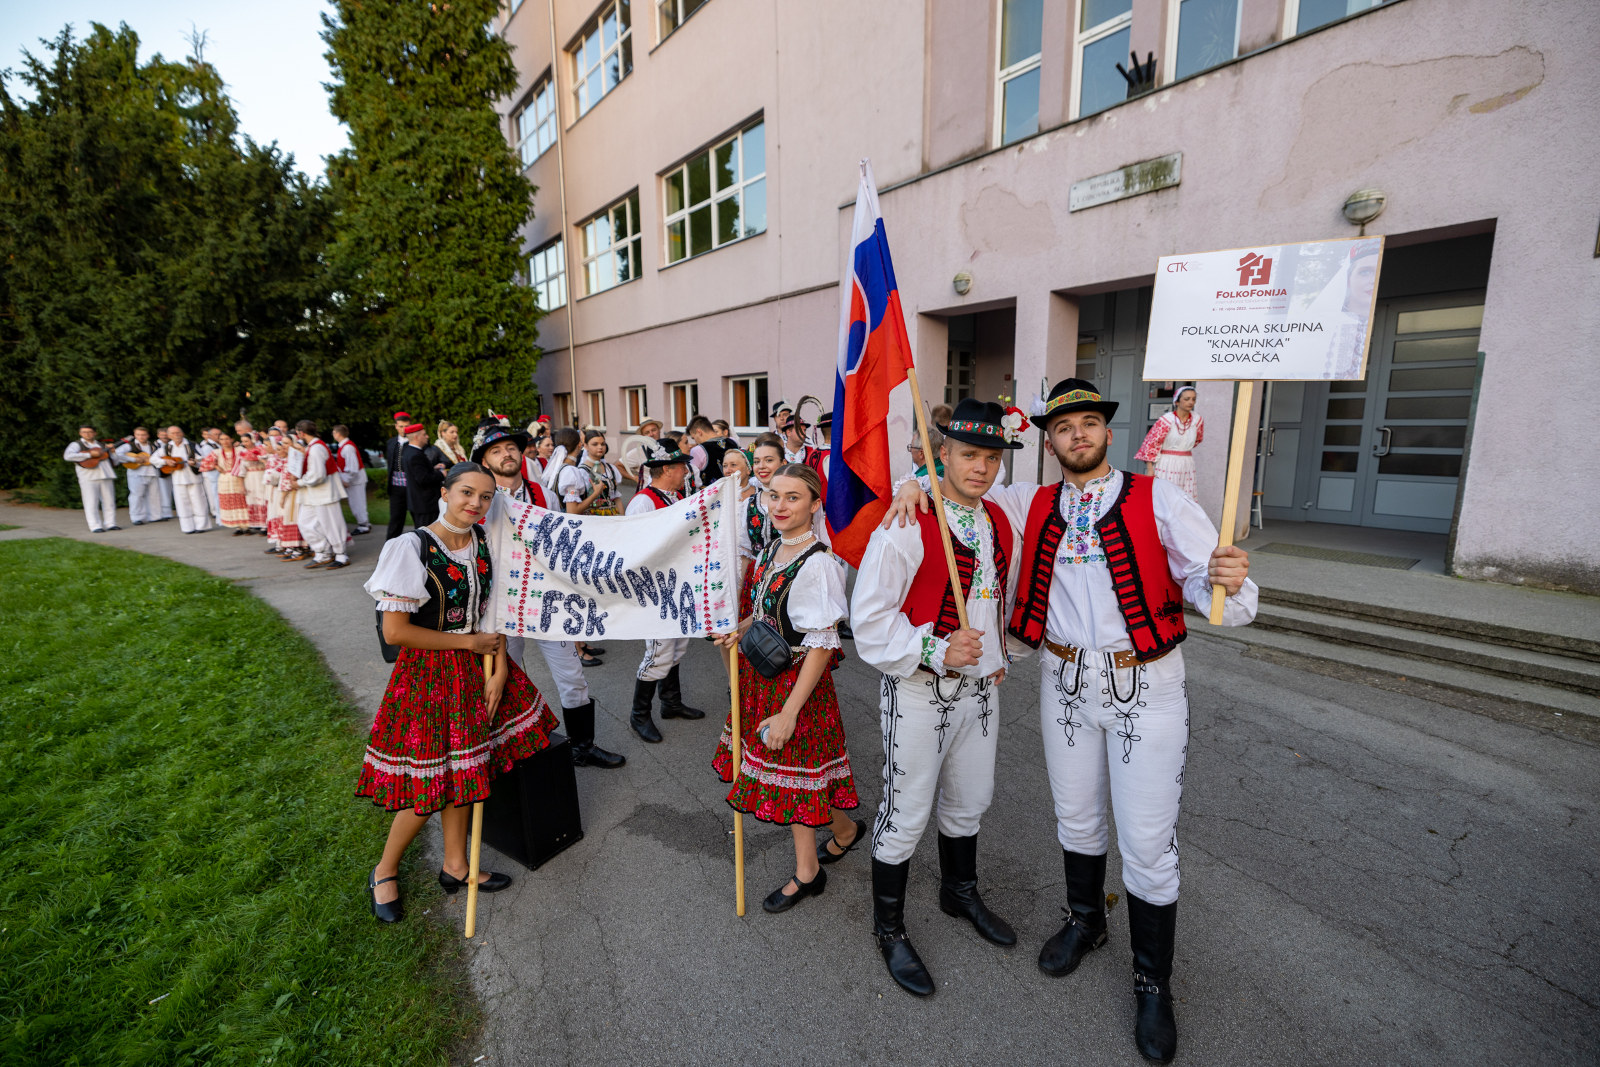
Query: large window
{"x": 603, "y": 56}
{"x": 547, "y": 274}
{"x": 670, "y": 14}
{"x": 594, "y": 406}
{"x": 611, "y": 246}
{"x": 718, "y": 196}
{"x": 685, "y": 400}
{"x": 633, "y": 402}
{"x": 1103, "y": 32}
{"x": 536, "y": 123}
{"x": 1208, "y": 34}
{"x": 747, "y": 403}
{"x": 564, "y": 409}
{"x": 1021, "y": 33}
{"x": 1314, "y": 13}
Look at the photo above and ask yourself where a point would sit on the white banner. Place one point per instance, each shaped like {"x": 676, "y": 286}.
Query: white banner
{"x": 673, "y": 572}
{"x": 1300, "y": 312}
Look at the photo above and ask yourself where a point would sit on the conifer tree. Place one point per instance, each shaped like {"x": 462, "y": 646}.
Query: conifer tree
{"x": 431, "y": 198}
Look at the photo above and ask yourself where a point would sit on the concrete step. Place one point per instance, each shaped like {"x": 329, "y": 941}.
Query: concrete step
{"x": 1571, "y": 645}
{"x": 1444, "y": 675}
{"x": 1481, "y": 656}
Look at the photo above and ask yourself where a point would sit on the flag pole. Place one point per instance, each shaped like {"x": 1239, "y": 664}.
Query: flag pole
{"x": 738, "y": 817}
{"x": 477, "y": 838}
{"x": 938, "y": 497}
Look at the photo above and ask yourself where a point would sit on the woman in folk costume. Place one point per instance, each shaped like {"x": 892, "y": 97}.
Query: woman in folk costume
{"x": 1168, "y": 449}
{"x": 449, "y": 443}
{"x": 793, "y": 767}
{"x": 605, "y": 480}
{"x": 255, "y": 475}
{"x": 291, "y": 543}
{"x": 444, "y": 729}
{"x": 227, "y": 459}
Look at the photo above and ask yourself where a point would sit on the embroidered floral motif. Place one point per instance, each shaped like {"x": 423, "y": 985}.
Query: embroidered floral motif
{"x": 1081, "y": 510}
{"x": 970, "y": 527}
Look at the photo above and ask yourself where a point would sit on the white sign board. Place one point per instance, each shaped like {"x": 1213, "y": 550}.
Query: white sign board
{"x": 1300, "y": 312}
{"x": 1132, "y": 180}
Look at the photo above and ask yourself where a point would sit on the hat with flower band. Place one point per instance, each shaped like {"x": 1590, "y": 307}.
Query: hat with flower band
{"x": 979, "y": 422}
{"x": 662, "y": 455}
{"x": 491, "y": 432}
{"x": 1073, "y": 394}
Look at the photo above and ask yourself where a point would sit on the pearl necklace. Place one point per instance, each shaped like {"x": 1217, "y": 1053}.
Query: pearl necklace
{"x": 448, "y": 525}
{"x": 802, "y": 539}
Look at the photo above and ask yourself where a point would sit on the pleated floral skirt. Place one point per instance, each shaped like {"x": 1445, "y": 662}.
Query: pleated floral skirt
{"x": 434, "y": 743}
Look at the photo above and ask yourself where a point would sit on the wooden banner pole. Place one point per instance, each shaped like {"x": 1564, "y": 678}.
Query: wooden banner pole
{"x": 938, "y": 497}
{"x": 477, "y": 839}
{"x": 738, "y": 817}
{"x": 1230, "y": 493}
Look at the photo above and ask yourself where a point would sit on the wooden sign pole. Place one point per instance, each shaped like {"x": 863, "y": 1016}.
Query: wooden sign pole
{"x": 477, "y": 839}
{"x": 1230, "y": 494}
{"x": 738, "y": 817}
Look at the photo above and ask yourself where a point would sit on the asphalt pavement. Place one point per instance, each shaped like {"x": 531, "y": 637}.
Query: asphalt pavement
{"x": 1368, "y": 876}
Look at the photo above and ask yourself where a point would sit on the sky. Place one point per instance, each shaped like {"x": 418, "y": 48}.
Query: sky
{"x": 268, "y": 52}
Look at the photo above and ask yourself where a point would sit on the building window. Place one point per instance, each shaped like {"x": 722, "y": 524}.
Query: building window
{"x": 536, "y": 123}
{"x": 718, "y": 196}
{"x": 547, "y": 274}
{"x": 684, "y": 398}
{"x": 1021, "y": 34}
{"x": 960, "y": 375}
{"x": 1310, "y": 14}
{"x": 633, "y": 402}
{"x": 747, "y": 403}
{"x": 594, "y": 406}
{"x": 1208, "y": 34}
{"x": 1104, "y": 29}
{"x": 603, "y": 56}
{"x": 564, "y": 409}
{"x": 670, "y": 14}
{"x": 611, "y": 246}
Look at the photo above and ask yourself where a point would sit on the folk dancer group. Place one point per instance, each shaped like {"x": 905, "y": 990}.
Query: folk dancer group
{"x": 1092, "y": 572}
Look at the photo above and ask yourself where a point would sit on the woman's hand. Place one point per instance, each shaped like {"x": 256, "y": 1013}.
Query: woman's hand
{"x": 730, "y": 640}
{"x": 494, "y": 686}
{"x": 780, "y": 728}
{"x": 486, "y": 644}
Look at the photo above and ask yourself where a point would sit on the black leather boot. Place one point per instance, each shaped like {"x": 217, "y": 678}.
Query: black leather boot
{"x": 889, "y": 926}
{"x": 580, "y": 731}
{"x": 644, "y": 694}
{"x": 672, "y": 705}
{"x": 1152, "y": 928}
{"x": 1085, "y": 928}
{"x": 958, "y": 890}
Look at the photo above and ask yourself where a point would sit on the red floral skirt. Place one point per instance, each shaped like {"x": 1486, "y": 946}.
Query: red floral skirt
{"x": 810, "y": 774}
{"x": 230, "y": 501}
{"x": 434, "y": 744}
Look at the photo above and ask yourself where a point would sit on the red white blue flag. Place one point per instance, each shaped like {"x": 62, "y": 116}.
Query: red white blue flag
{"x": 874, "y": 358}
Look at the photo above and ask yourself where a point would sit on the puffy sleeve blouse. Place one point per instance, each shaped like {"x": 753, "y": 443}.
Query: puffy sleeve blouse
{"x": 817, "y": 601}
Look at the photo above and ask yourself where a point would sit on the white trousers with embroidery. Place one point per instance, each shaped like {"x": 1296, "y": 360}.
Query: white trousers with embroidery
{"x": 939, "y": 738}
{"x": 566, "y": 668}
{"x": 660, "y": 657}
{"x": 144, "y": 498}
{"x": 1121, "y": 735}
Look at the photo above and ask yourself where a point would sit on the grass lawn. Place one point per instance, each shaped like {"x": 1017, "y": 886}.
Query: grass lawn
{"x": 178, "y": 765}
{"x": 7, "y": 526}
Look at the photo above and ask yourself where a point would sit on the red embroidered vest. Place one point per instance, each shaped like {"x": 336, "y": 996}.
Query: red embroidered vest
{"x": 930, "y": 598}
{"x": 661, "y": 499}
{"x": 361, "y": 462}
{"x": 333, "y": 464}
{"x": 1150, "y": 601}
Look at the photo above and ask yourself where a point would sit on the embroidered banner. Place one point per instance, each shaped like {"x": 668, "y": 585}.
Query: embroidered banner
{"x": 670, "y": 573}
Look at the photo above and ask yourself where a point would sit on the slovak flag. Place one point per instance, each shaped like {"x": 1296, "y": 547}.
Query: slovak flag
{"x": 874, "y": 358}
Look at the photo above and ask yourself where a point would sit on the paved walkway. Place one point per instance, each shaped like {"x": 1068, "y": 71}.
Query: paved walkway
{"x": 1368, "y": 876}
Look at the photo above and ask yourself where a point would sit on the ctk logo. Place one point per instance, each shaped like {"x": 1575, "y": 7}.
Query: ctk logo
{"x": 1255, "y": 269}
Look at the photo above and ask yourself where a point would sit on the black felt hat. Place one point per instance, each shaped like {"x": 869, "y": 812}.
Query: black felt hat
{"x": 493, "y": 431}
{"x": 660, "y": 455}
{"x": 978, "y": 422}
{"x": 1074, "y": 394}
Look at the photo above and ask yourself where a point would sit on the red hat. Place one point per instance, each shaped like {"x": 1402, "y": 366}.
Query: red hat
{"x": 544, "y": 418}
{"x": 413, "y": 428}
{"x": 401, "y": 415}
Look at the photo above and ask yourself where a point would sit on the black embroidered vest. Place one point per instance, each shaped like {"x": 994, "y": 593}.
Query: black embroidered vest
{"x": 450, "y": 584}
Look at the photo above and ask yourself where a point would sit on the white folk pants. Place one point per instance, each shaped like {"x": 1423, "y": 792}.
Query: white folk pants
{"x": 99, "y": 501}
{"x": 213, "y": 478}
{"x": 357, "y": 500}
{"x": 1121, "y": 735}
{"x": 660, "y": 657}
{"x": 144, "y": 498}
{"x": 194, "y": 513}
{"x": 167, "y": 496}
{"x": 939, "y": 738}
{"x": 566, "y": 667}
{"x": 322, "y": 525}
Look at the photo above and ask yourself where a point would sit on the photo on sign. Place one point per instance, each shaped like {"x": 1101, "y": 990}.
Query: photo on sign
{"x": 1294, "y": 312}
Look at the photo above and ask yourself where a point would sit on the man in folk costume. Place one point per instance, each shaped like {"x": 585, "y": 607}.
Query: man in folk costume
{"x": 322, "y": 500}
{"x": 393, "y": 459}
{"x": 938, "y": 705}
{"x": 668, "y": 468}
{"x": 144, "y": 490}
{"x": 97, "y": 479}
{"x": 188, "y": 488}
{"x": 208, "y": 444}
{"x": 499, "y": 450}
{"x": 353, "y": 475}
{"x": 164, "y": 480}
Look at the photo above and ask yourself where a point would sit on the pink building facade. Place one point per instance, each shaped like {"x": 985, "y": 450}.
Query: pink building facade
{"x": 696, "y": 167}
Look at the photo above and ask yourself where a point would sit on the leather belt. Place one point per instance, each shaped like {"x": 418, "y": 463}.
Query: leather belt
{"x": 923, "y": 667}
{"x": 1121, "y": 660}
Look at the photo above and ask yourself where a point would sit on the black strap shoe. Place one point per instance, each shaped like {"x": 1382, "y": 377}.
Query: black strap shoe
{"x": 672, "y": 705}
{"x": 643, "y": 695}
{"x": 825, "y": 853}
{"x": 958, "y": 890}
{"x": 492, "y": 884}
{"x": 889, "y": 926}
{"x": 389, "y": 911}
{"x": 781, "y": 901}
{"x": 1152, "y": 928}
{"x": 1085, "y": 928}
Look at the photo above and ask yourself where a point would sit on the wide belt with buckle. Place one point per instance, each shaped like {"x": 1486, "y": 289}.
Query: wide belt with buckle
{"x": 1121, "y": 660}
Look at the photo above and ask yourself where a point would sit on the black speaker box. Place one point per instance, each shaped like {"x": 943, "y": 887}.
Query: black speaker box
{"x": 532, "y": 810}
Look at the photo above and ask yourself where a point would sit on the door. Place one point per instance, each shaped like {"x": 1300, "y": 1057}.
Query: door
{"x": 1391, "y": 444}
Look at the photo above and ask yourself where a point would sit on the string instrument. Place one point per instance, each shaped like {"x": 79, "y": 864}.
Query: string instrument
{"x": 135, "y": 460}
{"x": 97, "y": 455}
{"x": 173, "y": 464}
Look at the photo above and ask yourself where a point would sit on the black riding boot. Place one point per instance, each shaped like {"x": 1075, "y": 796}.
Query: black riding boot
{"x": 580, "y": 731}
{"x": 672, "y": 705}
{"x": 644, "y": 694}
{"x": 1151, "y": 928}
{"x": 1085, "y": 928}
{"x": 958, "y": 890}
{"x": 889, "y": 925}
